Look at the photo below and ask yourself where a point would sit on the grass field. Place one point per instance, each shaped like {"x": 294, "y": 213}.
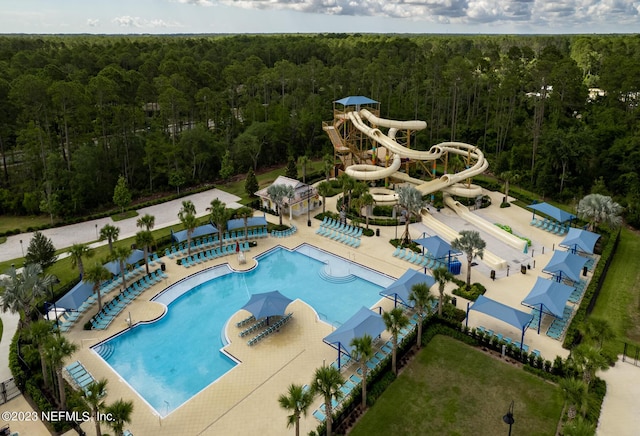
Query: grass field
{"x": 10, "y": 222}
{"x": 453, "y": 389}
{"x": 619, "y": 299}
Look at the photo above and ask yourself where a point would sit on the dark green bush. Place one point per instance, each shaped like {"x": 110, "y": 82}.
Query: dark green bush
{"x": 471, "y": 294}
{"x": 379, "y": 387}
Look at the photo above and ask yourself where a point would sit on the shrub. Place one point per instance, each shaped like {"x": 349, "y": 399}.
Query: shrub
{"x": 379, "y": 387}
{"x": 472, "y": 294}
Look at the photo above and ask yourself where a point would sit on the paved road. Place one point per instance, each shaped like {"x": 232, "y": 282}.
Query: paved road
{"x": 166, "y": 214}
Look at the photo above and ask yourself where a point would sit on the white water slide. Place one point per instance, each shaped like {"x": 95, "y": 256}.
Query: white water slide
{"x": 444, "y": 183}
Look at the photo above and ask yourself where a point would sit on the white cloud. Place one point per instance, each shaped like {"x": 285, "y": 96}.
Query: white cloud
{"x": 196, "y": 2}
{"x": 93, "y": 22}
{"x": 139, "y": 23}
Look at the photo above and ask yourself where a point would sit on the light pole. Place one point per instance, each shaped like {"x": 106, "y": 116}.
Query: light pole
{"x": 308, "y": 206}
{"x": 96, "y": 231}
{"x": 22, "y": 247}
{"x": 508, "y": 418}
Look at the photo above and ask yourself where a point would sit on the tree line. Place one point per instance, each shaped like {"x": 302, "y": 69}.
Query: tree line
{"x": 169, "y": 112}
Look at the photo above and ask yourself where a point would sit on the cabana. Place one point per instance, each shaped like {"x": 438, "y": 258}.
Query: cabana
{"x": 439, "y": 249}
{"x": 76, "y": 296}
{"x": 267, "y": 304}
{"x": 580, "y": 240}
{"x": 549, "y": 297}
{"x": 364, "y": 322}
{"x": 557, "y": 214}
{"x": 399, "y": 290}
{"x": 565, "y": 264}
{"x": 114, "y": 266}
{"x": 254, "y": 221}
{"x": 203, "y": 230}
{"x": 500, "y": 311}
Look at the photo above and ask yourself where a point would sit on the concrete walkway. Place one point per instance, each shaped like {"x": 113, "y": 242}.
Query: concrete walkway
{"x": 619, "y": 415}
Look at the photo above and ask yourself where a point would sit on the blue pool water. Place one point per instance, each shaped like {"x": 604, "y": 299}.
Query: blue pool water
{"x": 172, "y": 359}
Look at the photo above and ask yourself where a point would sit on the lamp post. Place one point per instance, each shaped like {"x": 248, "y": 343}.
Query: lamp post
{"x": 508, "y": 418}
{"x": 54, "y": 281}
{"x": 22, "y": 247}
{"x": 308, "y": 206}
{"x": 96, "y": 231}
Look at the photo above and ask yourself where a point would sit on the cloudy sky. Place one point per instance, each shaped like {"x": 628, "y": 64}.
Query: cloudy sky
{"x": 312, "y": 16}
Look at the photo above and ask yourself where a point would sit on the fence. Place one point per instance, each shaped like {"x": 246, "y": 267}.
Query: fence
{"x": 8, "y": 391}
{"x": 631, "y": 354}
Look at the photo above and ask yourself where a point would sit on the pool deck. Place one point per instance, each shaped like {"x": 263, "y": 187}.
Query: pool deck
{"x": 245, "y": 400}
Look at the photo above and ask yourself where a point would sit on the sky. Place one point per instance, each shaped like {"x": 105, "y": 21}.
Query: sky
{"x": 319, "y": 16}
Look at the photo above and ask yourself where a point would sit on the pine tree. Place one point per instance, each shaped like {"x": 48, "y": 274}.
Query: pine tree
{"x": 226, "y": 169}
{"x": 121, "y": 194}
{"x": 41, "y": 251}
{"x": 292, "y": 168}
{"x": 251, "y": 185}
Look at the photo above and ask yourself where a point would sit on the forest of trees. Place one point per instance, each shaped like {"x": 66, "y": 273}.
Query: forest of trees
{"x": 77, "y": 112}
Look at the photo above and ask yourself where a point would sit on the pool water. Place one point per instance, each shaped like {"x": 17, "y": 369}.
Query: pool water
{"x": 172, "y": 359}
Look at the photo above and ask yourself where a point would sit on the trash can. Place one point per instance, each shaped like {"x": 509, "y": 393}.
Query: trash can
{"x": 493, "y": 274}
{"x": 454, "y": 300}
{"x": 523, "y": 269}
{"x": 163, "y": 267}
{"x": 377, "y": 232}
{"x": 584, "y": 271}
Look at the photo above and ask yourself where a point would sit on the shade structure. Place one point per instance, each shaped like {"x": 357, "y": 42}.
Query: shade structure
{"x": 552, "y": 211}
{"x": 135, "y": 257}
{"x": 355, "y": 100}
{"x": 401, "y": 288}
{"x": 580, "y": 240}
{"x": 500, "y": 311}
{"x": 548, "y": 296}
{"x": 364, "y": 321}
{"x": 267, "y": 304}
{"x": 254, "y": 221}
{"x": 565, "y": 264}
{"x": 438, "y": 247}
{"x": 203, "y": 230}
{"x": 76, "y": 296}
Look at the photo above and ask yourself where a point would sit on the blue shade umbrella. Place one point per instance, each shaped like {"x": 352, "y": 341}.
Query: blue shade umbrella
{"x": 267, "y": 304}
{"x": 565, "y": 265}
{"x": 580, "y": 240}
{"x": 548, "y": 296}
{"x": 401, "y": 288}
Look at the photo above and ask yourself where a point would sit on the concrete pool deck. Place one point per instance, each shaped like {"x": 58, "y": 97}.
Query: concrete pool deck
{"x": 245, "y": 400}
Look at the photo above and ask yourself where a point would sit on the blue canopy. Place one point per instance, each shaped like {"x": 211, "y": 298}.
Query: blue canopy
{"x": 401, "y": 288}
{"x": 552, "y": 211}
{"x": 135, "y": 257}
{"x": 438, "y": 247}
{"x": 565, "y": 263}
{"x": 267, "y": 304}
{"x": 549, "y": 297}
{"x": 203, "y": 230}
{"x": 502, "y": 312}
{"x": 363, "y": 322}
{"x": 578, "y": 239}
{"x": 254, "y": 221}
{"x": 355, "y": 100}
{"x": 76, "y": 296}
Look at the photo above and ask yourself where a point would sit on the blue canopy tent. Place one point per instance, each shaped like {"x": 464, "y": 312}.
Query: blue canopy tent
{"x": 203, "y": 230}
{"x": 76, "y": 296}
{"x": 114, "y": 266}
{"x": 438, "y": 247}
{"x": 552, "y": 211}
{"x": 549, "y": 297}
{"x": 364, "y": 321}
{"x": 355, "y": 100}
{"x": 502, "y": 312}
{"x": 254, "y": 221}
{"x": 401, "y": 288}
{"x": 580, "y": 240}
{"x": 267, "y": 304}
{"x": 565, "y": 263}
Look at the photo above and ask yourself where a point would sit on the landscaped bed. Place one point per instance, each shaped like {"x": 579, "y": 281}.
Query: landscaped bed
{"x": 452, "y": 388}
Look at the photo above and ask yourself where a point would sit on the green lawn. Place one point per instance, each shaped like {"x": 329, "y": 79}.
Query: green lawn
{"x": 619, "y": 299}
{"x": 10, "y": 222}
{"x": 453, "y": 389}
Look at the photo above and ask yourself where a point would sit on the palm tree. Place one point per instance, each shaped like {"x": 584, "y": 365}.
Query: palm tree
{"x": 324, "y": 189}
{"x": 57, "y": 349}
{"x": 472, "y": 245}
{"x": 110, "y": 233}
{"x": 303, "y": 161}
{"x": 423, "y": 301}
{"x": 146, "y": 222}
{"x": 120, "y": 413}
{"x": 362, "y": 351}
{"x": 144, "y": 239}
{"x": 93, "y": 395}
{"x": 41, "y": 333}
{"x": 277, "y": 194}
{"x": 218, "y": 215}
{"x": 579, "y": 427}
{"x": 327, "y": 165}
{"x": 348, "y": 183}
{"x": 395, "y": 320}
{"x": 599, "y": 209}
{"x": 508, "y": 177}
{"x": 121, "y": 255}
{"x": 327, "y": 381}
{"x": 598, "y": 330}
{"x": 298, "y": 400}
{"x": 20, "y": 292}
{"x": 245, "y": 213}
{"x": 96, "y": 275}
{"x": 187, "y": 216}
{"x": 588, "y": 360}
{"x": 366, "y": 201}
{"x": 574, "y": 392}
{"x": 76, "y": 252}
{"x": 410, "y": 199}
{"x": 442, "y": 276}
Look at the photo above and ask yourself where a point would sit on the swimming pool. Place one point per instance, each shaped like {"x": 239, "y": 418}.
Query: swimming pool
{"x": 170, "y": 360}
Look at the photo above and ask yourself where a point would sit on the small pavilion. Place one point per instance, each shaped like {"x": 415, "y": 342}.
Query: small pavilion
{"x": 305, "y": 197}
